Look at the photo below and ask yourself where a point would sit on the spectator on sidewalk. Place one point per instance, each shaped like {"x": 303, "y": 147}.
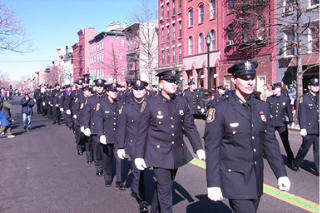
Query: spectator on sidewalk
{"x": 5, "y": 119}
{"x": 27, "y": 104}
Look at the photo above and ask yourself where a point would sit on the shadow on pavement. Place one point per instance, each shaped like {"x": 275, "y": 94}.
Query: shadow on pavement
{"x": 204, "y": 205}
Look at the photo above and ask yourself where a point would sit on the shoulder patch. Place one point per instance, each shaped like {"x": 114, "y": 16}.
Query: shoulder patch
{"x": 143, "y": 106}
{"x": 120, "y": 110}
{"x": 301, "y": 100}
{"x": 211, "y": 115}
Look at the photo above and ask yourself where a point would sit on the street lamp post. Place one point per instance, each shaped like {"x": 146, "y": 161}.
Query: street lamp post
{"x": 208, "y": 41}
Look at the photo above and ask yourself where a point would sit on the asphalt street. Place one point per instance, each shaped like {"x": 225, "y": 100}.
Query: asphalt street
{"x": 40, "y": 172}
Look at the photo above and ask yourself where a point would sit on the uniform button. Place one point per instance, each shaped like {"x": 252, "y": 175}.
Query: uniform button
{"x": 255, "y": 162}
{"x": 131, "y": 121}
{"x": 309, "y": 124}
{"x": 252, "y": 137}
{"x": 252, "y": 125}
{"x": 265, "y": 130}
{"x": 229, "y": 170}
{"x": 130, "y": 140}
{"x": 158, "y": 146}
{"x": 254, "y": 150}
{"x": 114, "y": 113}
{"x": 234, "y": 132}
{"x": 114, "y": 123}
{"x": 160, "y": 122}
{"x": 114, "y": 129}
{"x": 92, "y": 124}
{"x": 172, "y": 126}
{"x": 172, "y": 142}
{"x": 171, "y": 118}
{"x": 181, "y": 144}
{"x": 172, "y": 134}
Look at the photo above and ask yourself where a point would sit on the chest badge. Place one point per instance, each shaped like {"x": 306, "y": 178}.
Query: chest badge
{"x": 263, "y": 117}
{"x": 211, "y": 115}
{"x": 159, "y": 115}
{"x": 181, "y": 112}
{"x": 234, "y": 125}
{"x": 98, "y": 107}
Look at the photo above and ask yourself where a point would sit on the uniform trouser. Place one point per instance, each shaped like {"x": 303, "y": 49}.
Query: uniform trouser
{"x": 49, "y": 112}
{"x": 308, "y": 140}
{"x": 68, "y": 120}
{"x": 283, "y": 132}
{"x": 88, "y": 148}
{"x": 39, "y": 108}
{"x": 137, "y": 185}
{"x": 119, "y": 166}
{"x": 79, "y": 139}
{"x": 97, "y": 153}
{"x": 244, "y": 206}
{"x": 107, "y": 155}
{"x": 56, "y": 114}
{"x": 162, "y": 197}
{"x": 44, "y": 109}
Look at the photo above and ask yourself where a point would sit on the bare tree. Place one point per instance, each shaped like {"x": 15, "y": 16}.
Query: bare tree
{"x": 12, "y": 36}
{"x": 4, "y": 80}
{"x": 147, "y": 39}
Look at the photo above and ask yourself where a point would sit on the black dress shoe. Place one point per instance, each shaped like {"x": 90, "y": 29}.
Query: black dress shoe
{"x": 135, "y": 196}
{"x": 107, "y": 183}
{"x": 143, "y": 206}
{"x": 99, "y": 173}
{"x": 89, "y": 162}
{"x": 120, "y": 185}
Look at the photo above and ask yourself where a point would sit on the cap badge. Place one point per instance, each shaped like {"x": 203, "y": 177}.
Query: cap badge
{"x": 138, "y": 83}
{"x": 248, "y": 65}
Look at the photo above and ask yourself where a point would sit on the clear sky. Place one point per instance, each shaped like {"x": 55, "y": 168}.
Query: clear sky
{"x": 52, "y": 24}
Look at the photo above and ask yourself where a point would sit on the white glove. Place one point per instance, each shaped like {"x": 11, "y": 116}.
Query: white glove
{"x": 68, "y": 112}
{"x": 284, "y": 183}
{"x": 49, "y": 102}
{"x": 34, "y": 100}
{"x": 303, "y": 132}
{"x": 121, "y": 153}
{"x": 87, "y": 132}
{"x": 103, "y": 139}
{"x": 214, "y": 193}
{"x": 140, "y": 163}
{"x": 61, "y": 109}
{"x": 202, "y": 110}
{"x": 57, "y": 105}
{"x": 82, "y": 129}
{"x": 75, "y": 116}
{"x": 43, "y": 103}
{"x": 201, "y": 154}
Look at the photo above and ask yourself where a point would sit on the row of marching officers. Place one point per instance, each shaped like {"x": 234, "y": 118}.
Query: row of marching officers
{"x": 149, "y": 129}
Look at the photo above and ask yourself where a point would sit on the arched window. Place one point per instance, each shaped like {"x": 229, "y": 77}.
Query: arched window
{"x": 201, "y": 14}
{"x": 190, "y": 17}
{"x": 190, "y": 46}
{"x": 213, "y": 40}
{"x": 201, "y": 43}
{"x": 213, "y": 9}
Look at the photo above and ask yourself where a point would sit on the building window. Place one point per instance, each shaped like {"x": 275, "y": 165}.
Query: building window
{"x": 190, "y": 17}
{"x": 213, "y": 40}
{"x": 180, "y": 54}
{"x": 230, "y": 6}
{"x": 201, "y": 14}
{"x": 180, "y": 29}
{"x": 230, "y": 32}
{"x": 173, "y": 31}
{"x": 313, "y": 38}
{"x": 162, "y": 34}
{"x": 168, "y": 56}
{"x": 227, "y": 82}
{"x": 162, "y": 57}
{"x": 289, "y": 39}
{"x": 173, "y": 7}
{"x": 313, "y": 2}
{"x": 190, "y": 46}
{"x": 168, "y": 33}
{"x": 168, "y": 11}
{"x": 288, "y": 7}
{"x": 246, "y": 32}
{"x": 261, "y": 32}
{"x": 162, "y": 12}
{"x": 201, "y": 43}
{"x": 173, "y": 55}
{"x": 180, "y": 6}
{"x": 213, "y": 9}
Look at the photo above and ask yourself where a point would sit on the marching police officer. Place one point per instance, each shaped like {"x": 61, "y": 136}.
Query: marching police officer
{"x": 92, "y": 123}
{"x": 160, "y": 144}
{"x": 281, "y": 115}
{"x": 55, "y": 104}
{"x": 193, "y": 99}
{"x": 308, "y": 112}
{"x": 238, "y": 131}
{"x": 128, "y": 128}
